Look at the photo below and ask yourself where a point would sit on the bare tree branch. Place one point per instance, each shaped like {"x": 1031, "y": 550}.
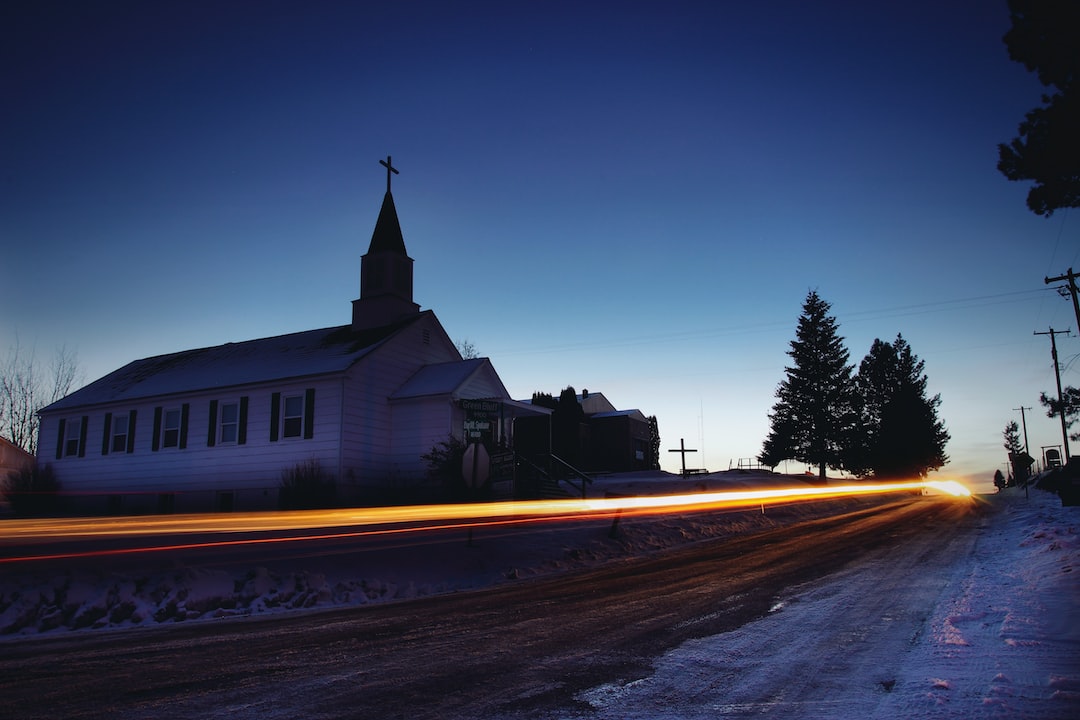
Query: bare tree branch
{"x": 25, "y": 389}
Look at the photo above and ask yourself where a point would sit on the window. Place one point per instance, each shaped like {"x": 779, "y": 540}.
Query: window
{"x": 72, "y": 437}
{"x": 227, "y": 423}
{"x": 119, "y": 432}
{"x": 230, "y": 422}
{"x": 170, "y": 429}
{"x": 292, "y": 416}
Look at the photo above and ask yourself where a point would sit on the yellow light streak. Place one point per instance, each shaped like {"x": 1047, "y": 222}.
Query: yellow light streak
{"x": 16, "y": 532}
{"x": 949, "y": 487}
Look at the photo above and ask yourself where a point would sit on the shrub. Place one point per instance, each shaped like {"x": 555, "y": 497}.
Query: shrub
{"x": 32, "y": 491}
{"x": 444, "y": 464}
{"x": 306, "y": 486}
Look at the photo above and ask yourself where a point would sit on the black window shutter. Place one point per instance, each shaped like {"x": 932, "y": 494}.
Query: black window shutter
{"x": 212, "y": 431}
{"x": 60, "y": 439}
{"x": 155, "y": 443}
{"x": 82, "y": 435}
{"x": 183, "y": 425}
{"x": 131, "y": 432}
{"x": 309, "y": 413}
{"x": 105, "y": 435}
{"x": 275, "y": 415}
{"x": 241, "y": 432}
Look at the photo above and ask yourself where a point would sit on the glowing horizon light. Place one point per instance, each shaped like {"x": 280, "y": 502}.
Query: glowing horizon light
{"x": 949, "y": 487}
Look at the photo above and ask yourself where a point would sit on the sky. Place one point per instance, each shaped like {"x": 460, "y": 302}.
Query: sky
{"x": 631, "y": 198}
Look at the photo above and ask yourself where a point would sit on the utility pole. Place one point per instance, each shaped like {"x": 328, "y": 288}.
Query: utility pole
{"x": 1070, "y": 276}
{"x": 1023, "y": 422}
{"x": 1057, "y": 375}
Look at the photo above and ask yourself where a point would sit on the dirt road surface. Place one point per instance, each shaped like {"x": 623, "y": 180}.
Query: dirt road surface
{"x": 523, "y": 649}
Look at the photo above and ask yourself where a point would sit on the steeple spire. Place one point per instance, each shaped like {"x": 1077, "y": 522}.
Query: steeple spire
{"x": 386, "y": 272}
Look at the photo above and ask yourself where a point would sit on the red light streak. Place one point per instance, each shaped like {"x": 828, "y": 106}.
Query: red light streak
{"x": 414, "y": 519}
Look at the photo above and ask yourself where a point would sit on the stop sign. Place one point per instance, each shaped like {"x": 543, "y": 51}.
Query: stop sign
{"x": 475, "y": 465}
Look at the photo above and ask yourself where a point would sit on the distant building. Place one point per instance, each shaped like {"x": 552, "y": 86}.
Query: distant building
{"x": 13, "y": 458}
{"x": 215, "y": 427}
{"x": 605, "y": 439}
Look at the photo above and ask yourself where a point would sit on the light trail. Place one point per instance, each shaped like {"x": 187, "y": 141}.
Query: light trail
{"x": 417, "y": 518}
{"x": 295, "y": 538}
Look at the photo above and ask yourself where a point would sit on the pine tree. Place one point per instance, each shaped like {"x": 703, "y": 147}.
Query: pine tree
{"x": 875, "y": 383}
{"x": 566, "y": 424}
{"x": 812, "y": 418}
{"x": 1070, "y": 402}
{"x": 899, "y": 434}
{"x": 1015, "y": 448}
{"x": 654, "y": 443}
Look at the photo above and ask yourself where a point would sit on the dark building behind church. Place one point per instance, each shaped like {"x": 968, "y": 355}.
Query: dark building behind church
{"x": 589, "y": 433}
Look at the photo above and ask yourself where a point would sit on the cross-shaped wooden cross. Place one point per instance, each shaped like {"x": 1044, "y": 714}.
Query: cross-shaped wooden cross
{"x": 682, "y": 450}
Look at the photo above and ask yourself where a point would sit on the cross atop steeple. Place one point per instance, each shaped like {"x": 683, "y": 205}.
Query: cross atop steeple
{"x": 389, "y": 169}
{"x": 386, "y": 270}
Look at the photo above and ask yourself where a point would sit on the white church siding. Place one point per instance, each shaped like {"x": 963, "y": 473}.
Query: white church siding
{"x": 371, "y": 439}
{"x": 421, "y": 423}
{"x": 249, "y": 470}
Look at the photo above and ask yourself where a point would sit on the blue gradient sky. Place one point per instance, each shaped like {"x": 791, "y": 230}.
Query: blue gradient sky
{"x": 632, "y": 198}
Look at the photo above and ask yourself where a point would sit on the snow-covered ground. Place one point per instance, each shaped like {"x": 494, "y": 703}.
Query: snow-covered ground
{"x": 986, "y": 628}
{"x": 989, "y": 628}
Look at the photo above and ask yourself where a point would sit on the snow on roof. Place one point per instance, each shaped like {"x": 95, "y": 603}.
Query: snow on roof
{"x": 634, "y": 413}
{"x": 313, "y": 352}
{"x": 439, "y": 378}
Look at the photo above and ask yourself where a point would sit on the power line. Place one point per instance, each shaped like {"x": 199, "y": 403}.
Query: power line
{"x": 732, "y": 330}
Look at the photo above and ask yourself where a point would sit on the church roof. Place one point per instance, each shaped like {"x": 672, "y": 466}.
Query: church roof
{"x": 632, "y": 413}
{"x": 302, "y": 354}
{"x": 387, "y": 235}
{"x": 441, "y": 378}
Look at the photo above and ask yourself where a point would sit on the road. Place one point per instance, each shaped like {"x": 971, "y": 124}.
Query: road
{"x": 517, "y": 650}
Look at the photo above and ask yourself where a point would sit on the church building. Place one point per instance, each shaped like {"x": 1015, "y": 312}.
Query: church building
{"x": 216, "y": 427}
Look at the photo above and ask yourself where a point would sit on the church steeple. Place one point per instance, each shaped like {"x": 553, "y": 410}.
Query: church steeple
{"x": 386, "y": 270}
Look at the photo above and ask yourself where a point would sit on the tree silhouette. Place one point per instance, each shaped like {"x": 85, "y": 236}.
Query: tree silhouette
{"x": 898, "y": 434}
{"x": 912, "y": 438}
{"x": 1015, "y": 448}
{"x": 566, "y": 426}
{"x": 654, "y": 443}
{"x": 1070, "y": 403}
{"x": 1044, "y": 38}
{"x": 545, "y": 400}
{"x": 812, "y": 418}
{"x": 26, "y": 386}
{"x": 875, "y": 383}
